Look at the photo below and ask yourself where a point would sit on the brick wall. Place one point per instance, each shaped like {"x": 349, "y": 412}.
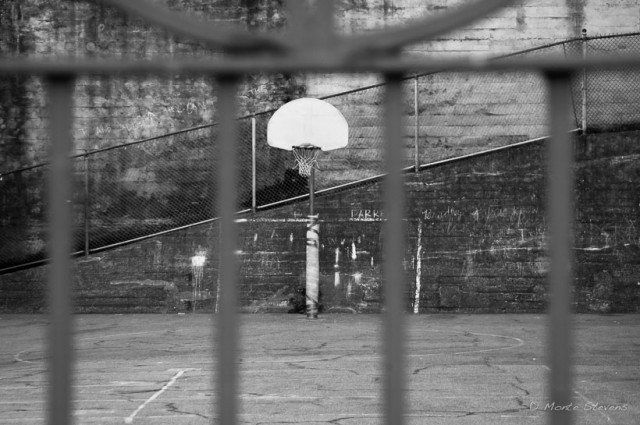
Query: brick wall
{"x": 476, "y": 242}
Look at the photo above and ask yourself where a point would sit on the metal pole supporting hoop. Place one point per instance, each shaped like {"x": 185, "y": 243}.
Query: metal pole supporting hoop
{"x": 306, "y": 126}
{"x": 306, "y": 158}
{"x": 312, "y": 286}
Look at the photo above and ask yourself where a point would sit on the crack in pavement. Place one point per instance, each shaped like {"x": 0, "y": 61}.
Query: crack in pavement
{"x": 518, "y": 386}
{"x": 420, "y": 369}
{"x": 174, "y": 409}
{"x": 299, "y": 366}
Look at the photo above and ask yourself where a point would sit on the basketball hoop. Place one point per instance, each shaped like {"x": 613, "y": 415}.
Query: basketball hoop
{"x": 322, "y": 127}
{"x": 307, "y": 158}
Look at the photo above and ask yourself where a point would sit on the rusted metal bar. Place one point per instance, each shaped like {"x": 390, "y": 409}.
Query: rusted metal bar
{"x": 227, "y": 341}
{"x": 393, "y": 239}
{"x": 59, "y": 290}
{"x": 560, "y": 218}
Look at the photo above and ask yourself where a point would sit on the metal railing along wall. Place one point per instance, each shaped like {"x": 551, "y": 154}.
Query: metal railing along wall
{"x": 368, "y": 53}
{"x": 125, "y": 192}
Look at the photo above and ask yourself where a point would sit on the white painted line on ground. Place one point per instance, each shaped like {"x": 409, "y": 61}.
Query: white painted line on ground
{"x": 585, "y": 399}
{"x": 593, "y": 404}
{"x": 347, "y": 356}
{"x": 520, "y": 343}
{"x": 129, "y": 419}
{"x": 18, "y": 358}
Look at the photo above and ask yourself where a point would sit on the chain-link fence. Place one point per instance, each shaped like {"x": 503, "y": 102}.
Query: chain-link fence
{"x": 611, "y": 99}
{"x": 162, "y": 183}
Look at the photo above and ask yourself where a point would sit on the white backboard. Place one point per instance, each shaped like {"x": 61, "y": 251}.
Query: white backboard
{"x": 307, "y": 121}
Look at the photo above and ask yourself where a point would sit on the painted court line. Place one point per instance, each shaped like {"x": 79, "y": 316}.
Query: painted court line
{"x": 593, "y": 404}
{"x": 347, "y": 356}
{"x": 18, "y": 357}
{"x": 129, "y": 419}
{"x": 585, "y": 399}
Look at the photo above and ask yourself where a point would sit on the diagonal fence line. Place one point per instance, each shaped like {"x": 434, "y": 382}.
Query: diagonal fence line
{"x": 187, "y": 197}
{"x": 280, "y": 203}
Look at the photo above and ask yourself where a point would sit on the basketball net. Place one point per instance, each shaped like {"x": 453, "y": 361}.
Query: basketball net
{"x": 306, "y": 158}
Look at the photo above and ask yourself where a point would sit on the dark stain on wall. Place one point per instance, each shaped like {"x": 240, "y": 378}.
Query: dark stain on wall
{"x": 354, "y": 4}
{"x": 19, "y": 209}
{"x": 389, "y": 8}
{"x": 577, "y": 15}
{"x": 14, "y": 104}
{"x": 521, "y": 18}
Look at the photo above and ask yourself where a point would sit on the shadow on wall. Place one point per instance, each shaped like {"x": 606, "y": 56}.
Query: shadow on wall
{"x": 292, "y": 185}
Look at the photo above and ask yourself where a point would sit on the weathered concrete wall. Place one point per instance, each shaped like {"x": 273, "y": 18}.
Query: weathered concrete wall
{"x": 119, "y": 110}
{"x": 458, "y": 113}
{"x": 476, "y": 241}
{"x": 113, "y": 111}
{"x": 461, "y": 113}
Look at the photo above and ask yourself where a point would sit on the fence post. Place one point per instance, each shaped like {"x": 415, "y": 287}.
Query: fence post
{"x": 583, "y": 87}
{"x": 416, "y": 123}
{"x": 86, "y": 205}
{"x": 253, "y": 164}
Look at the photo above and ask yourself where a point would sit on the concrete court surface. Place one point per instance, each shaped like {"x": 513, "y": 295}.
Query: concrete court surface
{"x": 461, "y": 369}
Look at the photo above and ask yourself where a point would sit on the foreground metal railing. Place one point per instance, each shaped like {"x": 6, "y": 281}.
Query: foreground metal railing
{"x": 309, "y": 47}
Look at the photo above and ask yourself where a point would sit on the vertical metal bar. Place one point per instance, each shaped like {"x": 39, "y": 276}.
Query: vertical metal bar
{"x": 298, "y": 20}
{"x": 323, "y": 25}
{"x": 60, "y": 91}
{"x": 415, "y": 124}
{"x": 253, "y": 164}
{"x": 560, "y": 215}
{"x": 228, "y": 340}
{"x": 87, "y": 219}
{"x": 394, "y": 284}
{"x": 584, "y": 83}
